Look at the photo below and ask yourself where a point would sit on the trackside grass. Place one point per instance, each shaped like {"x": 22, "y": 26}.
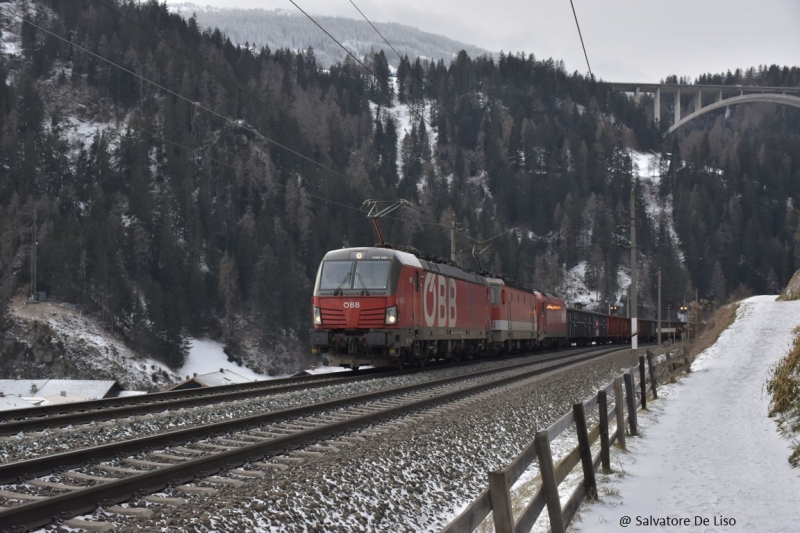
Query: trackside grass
{"x": 783, "y": 385}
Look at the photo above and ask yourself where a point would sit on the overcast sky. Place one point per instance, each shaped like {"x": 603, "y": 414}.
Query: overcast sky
{"x": 626, "y": 40}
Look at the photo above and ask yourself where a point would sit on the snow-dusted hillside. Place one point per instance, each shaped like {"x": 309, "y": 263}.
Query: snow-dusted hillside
{"x": 56, "y": 340}
{"x": 285, "y": 28}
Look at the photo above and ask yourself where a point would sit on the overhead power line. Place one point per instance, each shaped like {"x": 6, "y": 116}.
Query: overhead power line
{"x": 204, "y": 66}
{"x": 229, "y": 120}
{"x": 402, "y": 59}
{"x": 581, "y": 36}
{"x": 399, "y": 97}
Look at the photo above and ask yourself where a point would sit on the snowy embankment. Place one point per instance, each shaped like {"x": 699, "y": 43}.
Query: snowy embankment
{"x": 708, "y": 449}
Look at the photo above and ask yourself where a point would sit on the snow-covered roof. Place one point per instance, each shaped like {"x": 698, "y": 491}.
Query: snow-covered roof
{"x": 87, "y": 389}
{"x": 212, "y": 379}
{"x": 8, "y": 403}
{"x": 126, "y": 393}
{"x": 55, "y": 399}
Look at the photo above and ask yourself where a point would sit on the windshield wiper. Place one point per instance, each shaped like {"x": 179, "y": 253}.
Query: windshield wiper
{"x": 365, "y": 292}
{"x": 339, "y": 288}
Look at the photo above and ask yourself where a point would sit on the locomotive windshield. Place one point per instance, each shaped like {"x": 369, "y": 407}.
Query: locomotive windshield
{"x": 369, "y": 275}
{"x": 372, "y": 274}
{"x": 336, "y": 275}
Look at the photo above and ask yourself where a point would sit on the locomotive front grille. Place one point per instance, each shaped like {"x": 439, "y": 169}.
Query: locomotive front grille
{"x": 333, "y": 318}
{"x": 371, "y": 318}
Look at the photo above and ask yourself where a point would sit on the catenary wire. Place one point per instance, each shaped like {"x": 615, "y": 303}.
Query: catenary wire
{"x": 400, "y": 98}
{"x": 180, "y": 96}
{"x": 203, "y": 65}
{"x": 581, "y": 36}
{"x": 224, "y": 118}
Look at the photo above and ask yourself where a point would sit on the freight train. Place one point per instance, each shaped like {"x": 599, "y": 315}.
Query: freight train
{"x": 383, "y": 306}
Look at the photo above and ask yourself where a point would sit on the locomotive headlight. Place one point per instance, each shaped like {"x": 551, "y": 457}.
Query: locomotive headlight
{"x": 317, "y": 317}
{"x": 391, "y": 315}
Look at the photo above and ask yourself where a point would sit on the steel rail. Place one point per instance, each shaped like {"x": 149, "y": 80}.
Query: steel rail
{"x": 83, "y": 412}
{"x": 40, "y": 513}
{"x": 157, "y": 399}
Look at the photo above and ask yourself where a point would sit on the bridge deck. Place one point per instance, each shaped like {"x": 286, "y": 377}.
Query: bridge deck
{"x": 671, "y": 88}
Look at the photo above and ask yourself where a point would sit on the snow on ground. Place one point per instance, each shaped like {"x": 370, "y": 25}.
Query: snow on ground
{"x": 207, "y": 356}
{"x": 708, "y": 448}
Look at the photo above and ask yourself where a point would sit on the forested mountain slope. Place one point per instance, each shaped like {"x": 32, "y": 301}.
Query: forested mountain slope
{"x": 201, "y": 199}
{"x": 288, "y": 28}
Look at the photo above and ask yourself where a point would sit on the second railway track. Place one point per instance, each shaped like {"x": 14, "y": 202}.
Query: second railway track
{"x": 194, "y": 455}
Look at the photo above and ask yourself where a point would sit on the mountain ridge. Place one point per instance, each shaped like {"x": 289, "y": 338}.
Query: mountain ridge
{"x": 284, "y": 28}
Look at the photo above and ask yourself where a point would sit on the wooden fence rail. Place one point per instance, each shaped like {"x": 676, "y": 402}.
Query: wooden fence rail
{"x": 496, "y": 499}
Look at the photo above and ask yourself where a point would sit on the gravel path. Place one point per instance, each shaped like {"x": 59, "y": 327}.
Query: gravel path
{"x": 411, "y": 475}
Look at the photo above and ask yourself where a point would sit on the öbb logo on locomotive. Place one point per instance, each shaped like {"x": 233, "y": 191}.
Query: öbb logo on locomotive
{"x": 351, "y": 305}
{"x": 439, "y": 301}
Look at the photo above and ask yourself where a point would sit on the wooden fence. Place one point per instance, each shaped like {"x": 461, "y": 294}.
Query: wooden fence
{"x": 496, "y": 499}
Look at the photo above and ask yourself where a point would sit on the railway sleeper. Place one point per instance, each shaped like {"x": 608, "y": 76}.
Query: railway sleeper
{"x": 139, "y": 512}
{"x": 170, "y": 457}
{"x": 53, "y": 485}
{"x": 190, "y": 451}
{"x": 10, "y": 495}
{"x": 89, "y": 525}
{"x": 192, "y": 489}
{"x": 166, "y": 500}
{"x": 247, "y": 473}
{"x": 217, "y": 480}
{"x": 235, "y": 442}
{"x": 275, "y": 466}
{"x": 88, "y": 477}
{"x": 119, "y": 469}
{"x": 142, "y": 462}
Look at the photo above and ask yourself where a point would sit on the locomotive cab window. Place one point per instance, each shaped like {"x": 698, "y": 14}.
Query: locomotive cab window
{"x": 372, "y": 275}
{"x": 336, "y": 275}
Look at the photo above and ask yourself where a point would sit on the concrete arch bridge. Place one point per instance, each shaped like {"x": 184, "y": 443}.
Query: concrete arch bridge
{"x": 713, "y": 96}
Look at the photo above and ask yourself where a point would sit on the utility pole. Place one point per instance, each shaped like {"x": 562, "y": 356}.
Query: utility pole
{"x": 696, "y": 314}
{"x": 453, "y": 237}
{"x": 634, "y": 325}
{"x": 34, "y": 295}
{"x": 659, "y": 307}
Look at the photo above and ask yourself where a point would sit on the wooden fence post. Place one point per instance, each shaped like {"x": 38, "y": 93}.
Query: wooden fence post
{"x": 652, "y": 374}
{"x": 670, "y": 367}
{"x": 605, "y": 452}
{"x": 542, "y": 443}
{"x": 585, "y": 451}
{"x": 643, "y": 382}
{"x": 619, "y": 410}
{"x": 501, "y": 502}
{"x": 630, "y": 394}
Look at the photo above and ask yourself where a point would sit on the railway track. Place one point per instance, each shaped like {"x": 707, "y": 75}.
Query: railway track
{"x": 57, "y": 487}
{"x": 52, "y": 416}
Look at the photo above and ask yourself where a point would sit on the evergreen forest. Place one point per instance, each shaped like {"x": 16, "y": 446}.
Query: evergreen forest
{"x": 187, "y": 186}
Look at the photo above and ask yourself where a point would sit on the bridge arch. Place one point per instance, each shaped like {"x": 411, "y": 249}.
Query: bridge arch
{"x": 770, "y": 98}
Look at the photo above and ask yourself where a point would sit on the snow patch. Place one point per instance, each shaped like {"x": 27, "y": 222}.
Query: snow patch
{"x": 207, "y": 356}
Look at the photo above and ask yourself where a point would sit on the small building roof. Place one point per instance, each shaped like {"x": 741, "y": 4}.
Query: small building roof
{"x": 88, "y": 389}
{"x": 8, "y": 403}
{"x": 212, "y": 379}
{"x": 55, "y": 399}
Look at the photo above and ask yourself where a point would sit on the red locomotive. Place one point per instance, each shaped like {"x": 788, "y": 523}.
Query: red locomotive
{"x": 380, "y": 306}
